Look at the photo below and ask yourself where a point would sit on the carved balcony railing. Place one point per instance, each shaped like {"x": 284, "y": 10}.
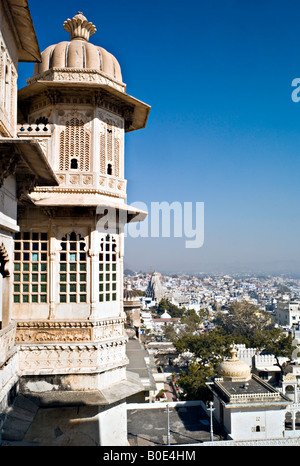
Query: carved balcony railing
{"x": 42, "y": 133}
{"x": 106, "y": 184}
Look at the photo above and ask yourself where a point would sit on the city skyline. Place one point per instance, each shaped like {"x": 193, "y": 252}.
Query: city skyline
{"x": 223, "y": 128}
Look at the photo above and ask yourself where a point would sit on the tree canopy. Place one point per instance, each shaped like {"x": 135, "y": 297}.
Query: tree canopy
{"x": 244, "y": 323}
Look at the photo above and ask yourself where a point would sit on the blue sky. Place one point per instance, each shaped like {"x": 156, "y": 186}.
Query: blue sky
{"x": 223, "y": 128}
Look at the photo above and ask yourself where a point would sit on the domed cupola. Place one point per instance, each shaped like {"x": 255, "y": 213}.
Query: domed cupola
{"x": 234, "y": 369}
{"x": 79, "y": 53}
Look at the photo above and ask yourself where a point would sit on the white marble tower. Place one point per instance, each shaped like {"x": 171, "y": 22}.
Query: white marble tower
{"x": 68, "y": 257}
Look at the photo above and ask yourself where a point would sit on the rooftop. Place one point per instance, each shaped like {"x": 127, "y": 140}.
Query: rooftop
{"x": 254, "y": 390}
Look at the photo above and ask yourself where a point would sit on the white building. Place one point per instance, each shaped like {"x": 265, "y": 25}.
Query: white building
{"x": 23, "y": 165}
{"x": 246, "y": 406}
{"x": 68, "y": 255}
{"x": 287, "y": 313}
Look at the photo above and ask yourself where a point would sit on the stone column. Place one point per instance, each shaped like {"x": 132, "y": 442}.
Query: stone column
{"x": 52, "y": 275}
{"x": 94, "y": 274}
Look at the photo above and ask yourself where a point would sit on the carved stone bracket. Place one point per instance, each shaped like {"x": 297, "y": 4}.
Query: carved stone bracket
{"x": 25, "y": 186}
{"x": 8, "y": 164}
{"x": 4, "y": 261}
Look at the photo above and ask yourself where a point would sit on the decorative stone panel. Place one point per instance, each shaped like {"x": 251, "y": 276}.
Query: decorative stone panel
{"x": 70, "y": 359}
{"x": 83, "y": 331}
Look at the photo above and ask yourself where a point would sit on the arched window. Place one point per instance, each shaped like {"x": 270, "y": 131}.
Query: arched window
{"x": 73, "y": 269}
{"x": 74, "y": 143}
{"x": 74, "y": 164}
{"x": 108, "y": 269}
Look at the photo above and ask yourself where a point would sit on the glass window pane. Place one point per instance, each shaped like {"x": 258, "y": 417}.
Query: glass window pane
{"x": 17, "y": 267}
{"x": 25, "y": 277}
{"x": 17, "y": 288}
{"x": 83, "y": 288}
{"x": 17, "y": 277}
{"x": 35, "y": 267}
{"x": 114, "y": 297}
{"x": 82, "y": 267}
{"x": 73, "y": 256}
{"x": 35, "y": 256}
{"x": 43, "y": 267}
{"x": 72, "y": 298}
{"x": 73, "y": 288}
{"x": 25, "y": 267}
{"x": 62, "y": 298}
{"x": 73, "y": 277}
{"x": 82, "y": 298}
{"x": 25, "y": 256}
{"x": 43, "y": 298}
{"x": 35, "y": 246}
{"x": 25, "y": 288}
{"x": 16, "y": 298}
{"x": 25, "y": 298}
{"x": 82, "y": 277}
{"x": 44, "y": 246}
{"x": 63, "y": 267}
{"x": 17, "y": 246}
{"x": 73, "y": 267}
{"x": 44, "y": 236}
{"x": 63, "y": 277}
{"x": 35, "y": 277}
{"x": 17, "y": 256}
{"x": 34, "y": 288}
{"x": 34, "y": 298}
{"x": 43, "y": 288}
{"x": 43, "y": 277}
{"x": 107, "y": 298}
{"x": 101, "y": 298}
{"x": 26, "y": 246}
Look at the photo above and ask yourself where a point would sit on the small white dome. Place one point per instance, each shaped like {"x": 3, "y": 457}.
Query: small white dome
{"x": 234, "y": 369}
{"x": 79, "y": 53}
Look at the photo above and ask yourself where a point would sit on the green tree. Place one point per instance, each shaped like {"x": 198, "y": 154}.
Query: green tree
{"x": 243, "y": 321}
{"x": 193, "y": 383}
{"x": 172, "y": 309}
{"x": 208, "y": 349}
